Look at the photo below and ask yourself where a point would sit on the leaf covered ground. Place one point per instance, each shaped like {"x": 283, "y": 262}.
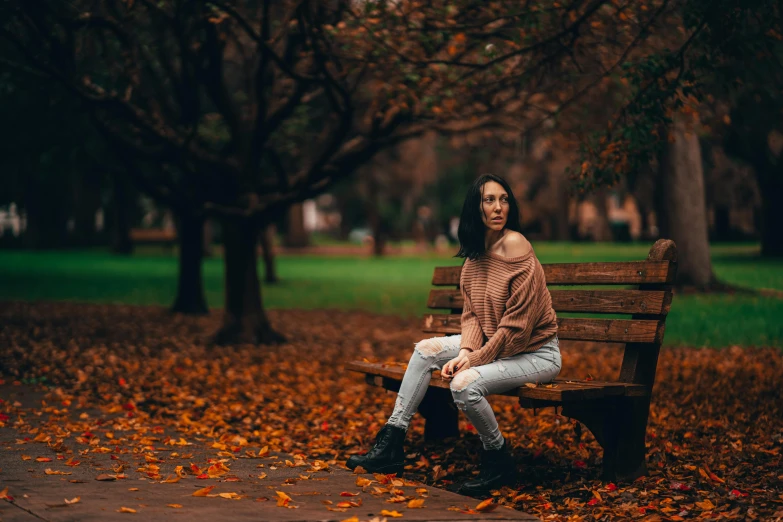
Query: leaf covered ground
{"x": 714, "y": 440}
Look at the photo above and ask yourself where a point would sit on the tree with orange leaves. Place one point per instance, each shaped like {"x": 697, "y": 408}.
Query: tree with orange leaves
{"x": 239, "y": 109}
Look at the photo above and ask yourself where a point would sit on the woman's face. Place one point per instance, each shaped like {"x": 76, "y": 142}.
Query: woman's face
{"x": 494, "y": 205}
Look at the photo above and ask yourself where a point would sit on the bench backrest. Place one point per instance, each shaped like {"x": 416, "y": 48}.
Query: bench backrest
{"x": 644, "y": 306}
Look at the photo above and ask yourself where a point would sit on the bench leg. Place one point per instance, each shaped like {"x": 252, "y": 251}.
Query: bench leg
{"x": 619, "y": 426}
{"x": 441, "y": 413}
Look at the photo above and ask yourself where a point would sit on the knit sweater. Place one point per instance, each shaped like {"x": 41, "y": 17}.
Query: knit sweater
{"x": 508, "y": 308}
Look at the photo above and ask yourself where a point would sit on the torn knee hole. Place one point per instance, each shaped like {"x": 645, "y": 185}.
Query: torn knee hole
{"x": 429, "y": 348}
{"x": 464, "y": 379}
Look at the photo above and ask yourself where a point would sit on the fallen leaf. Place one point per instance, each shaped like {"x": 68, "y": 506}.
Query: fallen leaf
{"x": 486, "y": 506}
{"x": 53, "y": 472}
{"x": 228, "y": 495}
{"x": 74, "y": 500}
{"x": 5, "y": 496}
{"x": 416, "y": 503}
{"x": 126, "y": 510}
{"x": 349, "y": 494}
{"x": 282, "y": 499}
{"x": 361, "y": 482}
{"x": 106, "y": 477}
{"x": 43, "y": 459}
{"x": 203, "y": 492}
{"x": 175, "y": 506}
{"x": 171, "y": 479}
{"x": 359, "y": 470}
{"x": 393, "y": 514}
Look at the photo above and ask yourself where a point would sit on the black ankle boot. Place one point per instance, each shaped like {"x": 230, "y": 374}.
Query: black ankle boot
{"x": 386, "y": 456}
{"x": 497, "y": 470}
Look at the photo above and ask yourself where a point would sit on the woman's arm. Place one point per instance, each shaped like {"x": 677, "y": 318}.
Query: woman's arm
{"x": 472, "y": 334}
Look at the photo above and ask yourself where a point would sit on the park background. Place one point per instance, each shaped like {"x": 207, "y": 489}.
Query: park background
{"x": 230, "y": 187}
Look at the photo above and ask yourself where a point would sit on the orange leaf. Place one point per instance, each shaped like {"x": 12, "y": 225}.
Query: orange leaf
{"x": 393, "y": 514}
{"x": 126, "y": 510}
{"x": 359, "y": 470}
{"x": 361, "y": 482}
{"x": 282, "y": 499}
{"x": 416, "y": 503}
{"x": 43, "y": 459}
{"x": 175, "y": 506}
{"x": 486, "y": 506}
{"x": 203, "y": 492}
{"x": 349, "y": 494}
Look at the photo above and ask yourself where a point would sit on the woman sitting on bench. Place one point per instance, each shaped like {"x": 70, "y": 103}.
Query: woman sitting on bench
{"x": 509, "y": 336}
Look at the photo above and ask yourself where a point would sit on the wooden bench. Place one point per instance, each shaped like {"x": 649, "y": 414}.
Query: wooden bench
{"x": 616, "y": 412}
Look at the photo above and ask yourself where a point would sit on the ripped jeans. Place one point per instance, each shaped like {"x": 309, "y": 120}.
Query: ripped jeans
{"x": 470, "y": 387}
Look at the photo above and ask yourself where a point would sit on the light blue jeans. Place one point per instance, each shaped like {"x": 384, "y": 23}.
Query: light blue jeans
{"x": 470, "y": 387}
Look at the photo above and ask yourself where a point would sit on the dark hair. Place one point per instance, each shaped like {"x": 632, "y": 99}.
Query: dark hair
{"x": 471, "y": 232}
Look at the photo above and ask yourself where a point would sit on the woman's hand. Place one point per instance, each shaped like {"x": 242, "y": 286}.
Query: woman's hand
{"x": 456, "y": 365}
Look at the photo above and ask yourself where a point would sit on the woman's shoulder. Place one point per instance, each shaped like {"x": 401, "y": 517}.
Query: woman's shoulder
{"x": 514, "y": 244}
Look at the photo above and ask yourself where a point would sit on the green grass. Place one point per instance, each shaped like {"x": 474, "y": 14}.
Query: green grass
{"x": 396, "y": 285}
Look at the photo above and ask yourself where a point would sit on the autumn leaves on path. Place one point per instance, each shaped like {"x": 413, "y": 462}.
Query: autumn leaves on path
{"x": 86, "y": 467}
{"x": 149, "y": 380}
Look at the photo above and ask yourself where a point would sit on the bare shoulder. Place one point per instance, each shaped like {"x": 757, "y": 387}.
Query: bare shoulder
{"x": 515, "y": 244}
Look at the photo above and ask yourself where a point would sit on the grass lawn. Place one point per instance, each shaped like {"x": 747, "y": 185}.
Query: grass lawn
{"x": 396, "y": 285}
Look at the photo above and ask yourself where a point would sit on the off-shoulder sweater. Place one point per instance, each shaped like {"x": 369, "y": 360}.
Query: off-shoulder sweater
{"x": 508, "y": 308}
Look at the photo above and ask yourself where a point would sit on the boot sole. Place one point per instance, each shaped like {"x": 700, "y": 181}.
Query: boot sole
{"x": 507, "y": 481}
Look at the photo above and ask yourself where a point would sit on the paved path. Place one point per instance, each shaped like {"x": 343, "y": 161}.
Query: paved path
{"x": 238, "y": 494}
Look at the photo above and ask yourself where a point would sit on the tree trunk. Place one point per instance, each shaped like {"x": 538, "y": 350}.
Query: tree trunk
{"x": 268, "y": 251}
{"x": 190, "y": 288}
{"x": 244, "y": 319}
{"x": 722, "y": 224}
{"x": 296, "y": 236}
{"x": 207, "y": 250}
{"x": 601, "y": 230}
{"x": 771, "y": 215}
{"x": 121, "y": 241}
{"x": 684, "y": 212}
{"x": 560, "y": 225}
{"x": 87, "y": 199}
{"x": 46, "y": 214}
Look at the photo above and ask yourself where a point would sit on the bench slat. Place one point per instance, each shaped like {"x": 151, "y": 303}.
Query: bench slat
{"x": 652, "y": 302}
{"x": 563, "y": 390}
{"x": 605, "y": 330}
{"x": 612, "y": 273}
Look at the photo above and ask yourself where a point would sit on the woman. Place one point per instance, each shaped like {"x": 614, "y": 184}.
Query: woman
{"x": 509, "y": 336}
